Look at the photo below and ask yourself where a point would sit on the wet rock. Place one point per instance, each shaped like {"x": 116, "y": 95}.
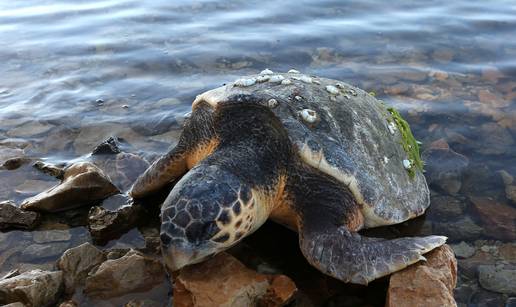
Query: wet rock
{"x": 463, "y": 250}
{"x": 496, "y": 140}
{"x": 498, "y": 219}
{"x": 444, "y": 167}
{"x": 492, "y": 100}
{"x": 224, "y": 281}
{"x": 106, "y": 224}
{"x": 31, "y": 187}
{"x": 110, "y": 146}
{"x": 507, "y": 252}
{"x": 492, "y": 74}
{"x": 41, "y": 251}
{"x": 510, "y": 185}
{"x": 123, "y": 169}
{"x": 131, "y": 273}
{"x": 462, "y": 229}
{"x": 33, "y": 288}
{"x": 14, "y": 163}
{"x": 499, "y": 278}
{"x": 445, "y": 207}
{"x": 7, "y": 153}
{"x": 438, "y": 75}
{"x": 47, "y": 236}
{"x": 429, "y": 283}
{"x": 14, "y": 217}
{"x": 49, "y": 169}
{"x": 83, "y": 184}
{"x": 77, "y": 262}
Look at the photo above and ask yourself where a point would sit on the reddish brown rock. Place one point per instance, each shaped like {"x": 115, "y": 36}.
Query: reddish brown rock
{"x": 499, "y": 220}
{"x": 224, "y": 281}
{"x": 493, "y": 100}
{"x": 428, "y": 284}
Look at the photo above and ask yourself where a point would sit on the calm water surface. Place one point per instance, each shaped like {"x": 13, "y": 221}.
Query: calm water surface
{"x": 73, "y": 73}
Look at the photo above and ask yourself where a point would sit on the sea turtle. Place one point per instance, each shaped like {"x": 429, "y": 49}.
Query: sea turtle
{"x": 320, "y": 156}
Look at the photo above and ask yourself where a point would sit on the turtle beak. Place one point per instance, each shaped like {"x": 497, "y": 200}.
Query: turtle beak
{"x": 180, "y": 255}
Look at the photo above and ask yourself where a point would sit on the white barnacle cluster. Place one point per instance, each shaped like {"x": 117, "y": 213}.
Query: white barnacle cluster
{"x": 245, "y": 82}
{"x": 407, "y": 164}
{"x": 332, "y": 90}
{"x": 392, "y": 127}
{"x": 308, "y": 115}
{"x": 262, "y": 78}
{"x": 385, "y": 160}
{"x": 272, "y": 103}
{"x": 266, "y": 72}
{"x": 286, "y": 82}
{"x": 276, "y": 78}
{"x": 293, "y": 71}
{"x": 303, "y": 78}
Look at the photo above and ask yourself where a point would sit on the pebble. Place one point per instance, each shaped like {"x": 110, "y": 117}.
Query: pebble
{"x": 498, "y": 278}
{"x": 272, "y": 103}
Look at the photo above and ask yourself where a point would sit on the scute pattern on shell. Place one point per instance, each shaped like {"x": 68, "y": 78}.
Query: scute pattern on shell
{"x": 349, "y": 141}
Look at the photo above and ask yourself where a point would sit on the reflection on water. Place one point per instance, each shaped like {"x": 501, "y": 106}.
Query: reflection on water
{"x": 73, "y": 74}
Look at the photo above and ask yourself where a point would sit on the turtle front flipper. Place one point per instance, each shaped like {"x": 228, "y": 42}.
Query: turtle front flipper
{"x": 197, "y": 141}
{"x": 329, "y": 220}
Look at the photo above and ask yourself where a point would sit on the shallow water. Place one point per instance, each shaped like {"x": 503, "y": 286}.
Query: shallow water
{"x": 74, "y": 73}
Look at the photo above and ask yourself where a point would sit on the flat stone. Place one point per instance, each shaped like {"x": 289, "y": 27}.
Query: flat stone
{"x": 429, "y": 283}
{"x": 40, "y": 251}
{"x": 498, "y": 219}
{"x": 46, "y": 236}
{"x": 28, "y": 129}
{"x": 13, "y": 217}
{"x": 33, "y": 288}
{"x": 498, "y": 278}
{"x": 463, "y": 250}
{"x": 77, "y": 262}
{"x": 105, "y": 224}
{"x": 131, "y": 273}
{"x": 224, "y": 281}
{"x": 83, "y": 184}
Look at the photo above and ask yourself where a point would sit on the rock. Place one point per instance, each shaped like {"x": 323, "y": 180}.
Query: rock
{"x": 49, "y": 169}
{"x": 83, "y": 184}
{"x": 444, "y": 167}
{"x": 77, "y": 262}
{"x": 40, "y": 251}
{"x": 438, "y": 75}
{"x": 508, "y": 252}
{"x": 510, "y": 185}
{"x": 498, "y": 219}
{"x": 429, "y": 283}
{"x": 14, "y": 217}
{"x": 443, "y": 55}
{"x": 462, "y": 229}
{"x": 31, "y": 187}
{"x": 122, "y": 168}
{"x": 445, "y": 207}
{"x": 496, "y": 140}
{"x": 511, "y": 302}
{"x": 492, "y": 74}
{"x": 463, "y": 250}
{"x": 499, "y": 278}
{"x": 7, "y": 153}
{"x": 111, "y": 146}
{"x": 14, "y": 163}
{"x": 69, "y": 303}
{"x": 46, "y": 236}
{"x": 224, "y": 281}
{"x": 143, "y": 303}
{"x": 33, "y": 288}
{"x": 492, "y": 100}
{"x": 106, "y": 224}
{"x": 131, "y": 273}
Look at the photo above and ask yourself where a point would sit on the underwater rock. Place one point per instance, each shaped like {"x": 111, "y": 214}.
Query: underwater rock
{"x": 499, "y": 278}
{"x": 7, "y": 153}
{"x": 131, "y": 273}
{"x": 77, "y": 262}
{"x": 429, "y": 283}
{"x": 122, "y": 168}
{"x": 496, "y": 140}
{"x": 83, "y": 184}
{"x": 224, "y": 281}
{"x": 34, "y": 288}
{"x": 510, "y": 185}
{"x": 498, "y": 219}
{"x": 49, "y": 169}
{"x": 463, "y": 250}
{"x": 105, "y": 224}
{"x": 446, "y": 207}
{"x": 14, "y": 217}
{"x": 14, "y": 163}
{"x": 444, "y": 167}
{"x": 462, "y": 229}
{"x": 143, "y": 303}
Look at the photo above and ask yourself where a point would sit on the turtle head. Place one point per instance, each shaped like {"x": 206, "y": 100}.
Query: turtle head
{"x": 208, "y": 211}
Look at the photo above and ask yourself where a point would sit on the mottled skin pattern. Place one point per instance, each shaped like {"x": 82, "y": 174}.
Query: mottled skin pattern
{"x": 245, "y": 159}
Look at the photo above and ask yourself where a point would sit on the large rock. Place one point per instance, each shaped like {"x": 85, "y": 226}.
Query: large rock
{"x": 429, "y": 283}
{"x": 33, "y": 288}
{"x": 133, "y": 272}
{"x": 83, "y": 184}
{"x": 498, "y": 278}
{"x": 77, "y": 262}
{"x": 224, "y": 281}
{"x": 14, "y": 217}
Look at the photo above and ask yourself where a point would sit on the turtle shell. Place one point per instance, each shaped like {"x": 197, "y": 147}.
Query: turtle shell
{"x": 344, "y": 132}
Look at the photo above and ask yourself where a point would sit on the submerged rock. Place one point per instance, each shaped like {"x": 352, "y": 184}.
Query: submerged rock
{"x": 498, "y": 219}
{"x": 83, "y": 184}
{"x": 224, "y": 281}
{"x": 498, "y": 278}
{"x": 34, "y": 288}
{"x": 463, "y": 250}
{"x": 131, "y": 273}
{"x": 429, "y": 283}
{"x": 14, "y": 217}
{"x": 77, "y": 262}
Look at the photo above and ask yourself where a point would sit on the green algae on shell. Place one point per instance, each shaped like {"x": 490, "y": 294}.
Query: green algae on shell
{"x": 409, "y": 143}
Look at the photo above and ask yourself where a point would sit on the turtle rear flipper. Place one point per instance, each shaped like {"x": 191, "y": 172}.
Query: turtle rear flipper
{"x": 353, "y": 258}
{"x": 197, "y": 141}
